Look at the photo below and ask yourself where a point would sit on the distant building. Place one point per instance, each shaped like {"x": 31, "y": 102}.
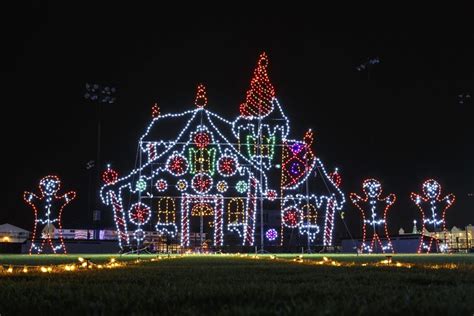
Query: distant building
{"x": 455, "y": 240}
{"x": 458, "y": 240}
{"x": 13, "y": 234}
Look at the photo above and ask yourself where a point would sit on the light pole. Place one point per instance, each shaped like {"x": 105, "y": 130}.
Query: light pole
{"x": 99, "y": 95}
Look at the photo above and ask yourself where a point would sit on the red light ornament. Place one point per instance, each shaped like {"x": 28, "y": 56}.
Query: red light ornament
{"x": 161, "y": 185}
{"x": 139, "y": 214}
{"x": 201, "y": 183}
{"x": 202, "y": 140}
{"x": 291, "y": 217}
{"x": 227, "y": 166}
{"x": 109, "y": 176}
{"x": 177, "y": 165}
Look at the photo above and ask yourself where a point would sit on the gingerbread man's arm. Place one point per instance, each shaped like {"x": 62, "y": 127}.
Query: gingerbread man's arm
{"x": 30, "y": 198}
{"x": 416, "y": 198}
{"x": 68, "y": 197}
{"x": 390, "y": 199}
{"x": 449, "y": 199}
{"x": 356, "y": 199}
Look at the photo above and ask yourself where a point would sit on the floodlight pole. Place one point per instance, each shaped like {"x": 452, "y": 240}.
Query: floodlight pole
{"x": 96, "y": 222}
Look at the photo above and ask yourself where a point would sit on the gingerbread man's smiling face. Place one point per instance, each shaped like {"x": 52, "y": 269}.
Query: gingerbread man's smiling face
{"x": 431, "y": 189}
{"x": 372, "y": 188}
{"x": 49, "y": 185}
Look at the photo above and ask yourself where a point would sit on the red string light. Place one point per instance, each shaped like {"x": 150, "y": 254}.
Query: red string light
{"x": 227, "y": 166}
{"x": 201, "y": 98}
{"x": 202, "y": 140}
{"x": 368, "y": 208}
{"x": 261, "y": 93}
{"x": 155, "y": 111}
{"x": 109, "y": 176}
{"x": 430, "y": 199}
{"x": 49, "y": 202}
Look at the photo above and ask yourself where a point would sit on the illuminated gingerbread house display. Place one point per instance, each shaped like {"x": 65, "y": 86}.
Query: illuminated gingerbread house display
{"x": 226, "y": 176}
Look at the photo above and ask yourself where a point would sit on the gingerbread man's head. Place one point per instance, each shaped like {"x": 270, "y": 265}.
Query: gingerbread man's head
{"x": 372, "y": 188}
{"x": 49, "y": 185}
{"x": 431, "y": 189}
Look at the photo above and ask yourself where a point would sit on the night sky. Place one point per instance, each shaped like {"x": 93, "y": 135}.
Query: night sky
{"x": 401, "y": 122}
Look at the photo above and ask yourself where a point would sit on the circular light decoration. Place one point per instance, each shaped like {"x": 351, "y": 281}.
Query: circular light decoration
{"x": 139, "y": 213}
{"x": 222, "y": 186}
{"x": 291, "y": 217}
{"x": 177, "y": 165}
{"x": 296, "y": 168}
{"x": 271, "y": 234}
{"x": 241, "y": 186}
{"x": 109, "y": 176}
{"x": 202, "y": 139}
{"x": 201, "y": 183}
{"x": 227, "y": 166}
{"x": 182, "y": 185}
{"x": 271, "y": 195}
{"x": 141, "y": 185}
{"x": 139, "y": 234}
{"x": 161, "y": 185}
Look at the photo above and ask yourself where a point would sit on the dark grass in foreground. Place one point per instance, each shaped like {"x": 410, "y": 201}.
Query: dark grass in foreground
{"x": 227, "y": 285}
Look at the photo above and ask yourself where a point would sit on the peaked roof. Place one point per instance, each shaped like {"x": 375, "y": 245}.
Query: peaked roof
{"x": 11, "y": 228}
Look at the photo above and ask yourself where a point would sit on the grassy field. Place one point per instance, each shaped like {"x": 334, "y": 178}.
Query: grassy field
{"x": 243, "y": 286}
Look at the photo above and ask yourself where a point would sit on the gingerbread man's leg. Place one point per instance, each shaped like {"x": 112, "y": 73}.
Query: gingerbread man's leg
{"x": 33, "y": 238}
{"x": 51, "y": 244}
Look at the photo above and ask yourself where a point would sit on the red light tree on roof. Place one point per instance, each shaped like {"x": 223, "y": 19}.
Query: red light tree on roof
{"x": 261, "y": 93}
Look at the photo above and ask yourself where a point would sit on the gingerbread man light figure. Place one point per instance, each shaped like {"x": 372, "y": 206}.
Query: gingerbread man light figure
{"x": 368, "y": 207}
{"x": 48, "y": 208}
{"x": 431, "y": 200}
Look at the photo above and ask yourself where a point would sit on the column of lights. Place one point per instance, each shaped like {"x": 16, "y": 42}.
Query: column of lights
{"x": 49, "y": 186}
{"x": 373, "y": 191}
{"x": 431, "y": 195}
{"x": 199, "y": 169}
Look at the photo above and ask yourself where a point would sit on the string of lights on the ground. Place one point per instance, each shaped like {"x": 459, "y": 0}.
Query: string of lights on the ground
{"x": 84, "y": 264}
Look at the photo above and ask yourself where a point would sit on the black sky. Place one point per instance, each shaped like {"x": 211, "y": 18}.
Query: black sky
{"x": 401, "y": 124}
